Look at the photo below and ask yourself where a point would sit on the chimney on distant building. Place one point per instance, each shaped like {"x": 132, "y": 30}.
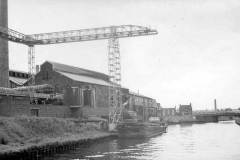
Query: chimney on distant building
{"x": 215, "y": 104}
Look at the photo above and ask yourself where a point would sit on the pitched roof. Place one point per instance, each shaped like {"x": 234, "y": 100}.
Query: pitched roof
{"x": 139, "y": 95}
{"x": 78, "y": 71}
{"x": 14, "y": 70}
{"x": 87, "y": 79}
{"x": 18, "y": 81}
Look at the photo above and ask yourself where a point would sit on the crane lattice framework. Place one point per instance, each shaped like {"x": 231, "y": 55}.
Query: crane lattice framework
{"x": 112, "y": 33}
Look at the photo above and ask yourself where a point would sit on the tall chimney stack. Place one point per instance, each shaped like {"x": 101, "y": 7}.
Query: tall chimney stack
{"x": 4, "y": 66}
{"x": 215, "y": 104}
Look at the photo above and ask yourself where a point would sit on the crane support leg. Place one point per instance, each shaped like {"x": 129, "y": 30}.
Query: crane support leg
{"x": 31, "y": 63}
{"x": 115, "y": 97}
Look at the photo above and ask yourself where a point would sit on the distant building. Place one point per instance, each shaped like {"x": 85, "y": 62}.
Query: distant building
{"x": 17, "y": 78}
{"x": 159, "y": 107}
{"x": 145, "y": 107}
{"x": 166, "y": 112}
{"x": 83, "y": 89}
{"x": 185, "y": 109}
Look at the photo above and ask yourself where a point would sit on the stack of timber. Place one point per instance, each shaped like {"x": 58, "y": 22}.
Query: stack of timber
{"x": 44, "y": 88}
{"x": 22, "y": 93}
{"x": 9, "y": 91}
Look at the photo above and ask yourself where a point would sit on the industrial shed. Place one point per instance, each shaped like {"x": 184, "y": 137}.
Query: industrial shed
{"x": 83, "y": 89}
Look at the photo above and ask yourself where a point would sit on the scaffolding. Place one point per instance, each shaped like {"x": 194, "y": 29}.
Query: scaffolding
{"x": 115, "y": 95}
{"x": 31, "y": 64}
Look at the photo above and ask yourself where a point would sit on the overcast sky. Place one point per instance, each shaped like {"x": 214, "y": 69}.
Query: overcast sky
{"x": 194, "y": 58}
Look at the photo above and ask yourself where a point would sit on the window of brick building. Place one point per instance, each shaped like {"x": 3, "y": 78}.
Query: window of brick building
{"x": 77, "y": 95}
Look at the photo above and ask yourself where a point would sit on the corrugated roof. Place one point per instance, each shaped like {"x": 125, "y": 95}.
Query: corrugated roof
{"x": 83, "y": 78}
{"x": 79, "y": 71}
{"x": 18, "y": 81}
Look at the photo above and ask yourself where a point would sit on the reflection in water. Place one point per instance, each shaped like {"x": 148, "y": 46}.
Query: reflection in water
{"x": 189, "y": 142}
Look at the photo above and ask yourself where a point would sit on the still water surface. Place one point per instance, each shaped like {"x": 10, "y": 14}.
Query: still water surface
{"x": 210, "y": 141}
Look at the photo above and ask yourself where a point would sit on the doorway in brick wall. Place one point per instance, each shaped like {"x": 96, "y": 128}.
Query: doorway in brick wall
{"x": 89, "y": 97}
{"x": 34, "y": 112}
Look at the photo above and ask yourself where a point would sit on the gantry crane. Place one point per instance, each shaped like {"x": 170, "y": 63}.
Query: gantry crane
{"x": 112, "y": 33}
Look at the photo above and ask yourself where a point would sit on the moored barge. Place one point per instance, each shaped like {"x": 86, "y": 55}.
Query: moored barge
{"x": 140, "y": 129}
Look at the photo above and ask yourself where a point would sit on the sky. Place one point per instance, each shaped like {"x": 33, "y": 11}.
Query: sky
{"x": 194, "y": 58}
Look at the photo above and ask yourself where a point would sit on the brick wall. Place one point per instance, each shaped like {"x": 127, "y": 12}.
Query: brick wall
{"x": 14, "y": 106}
{"x": 95, "y": 111}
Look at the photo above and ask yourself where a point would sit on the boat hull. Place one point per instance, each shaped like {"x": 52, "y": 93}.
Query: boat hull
{"x": 139, "y": 130}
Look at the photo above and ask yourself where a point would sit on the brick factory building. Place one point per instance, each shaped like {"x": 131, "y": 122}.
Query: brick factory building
{"x": 82, "y": 93}
{"x": 83, "y": 89}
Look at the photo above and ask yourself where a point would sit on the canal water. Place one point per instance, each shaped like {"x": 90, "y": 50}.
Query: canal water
{"x": 209, "y": 141}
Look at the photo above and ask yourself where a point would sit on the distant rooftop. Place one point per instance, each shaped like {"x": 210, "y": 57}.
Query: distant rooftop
{"x": 14, "y": 70}
{"x": 137, "y": 94}
{"x": 76, "y": 70}
{"x": 84, "y": 78}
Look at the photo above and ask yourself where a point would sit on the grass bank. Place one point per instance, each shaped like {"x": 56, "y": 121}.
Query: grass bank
{"x": 20, "y": 133}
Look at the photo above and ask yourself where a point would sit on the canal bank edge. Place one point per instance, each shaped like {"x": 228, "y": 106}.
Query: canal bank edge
{"x": 45, "y": 144}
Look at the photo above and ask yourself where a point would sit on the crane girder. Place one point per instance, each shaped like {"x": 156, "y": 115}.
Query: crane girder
{"x": 91, "y": 34}
{"x": 15, "y": 36}
{"x": 100, "y": 33}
